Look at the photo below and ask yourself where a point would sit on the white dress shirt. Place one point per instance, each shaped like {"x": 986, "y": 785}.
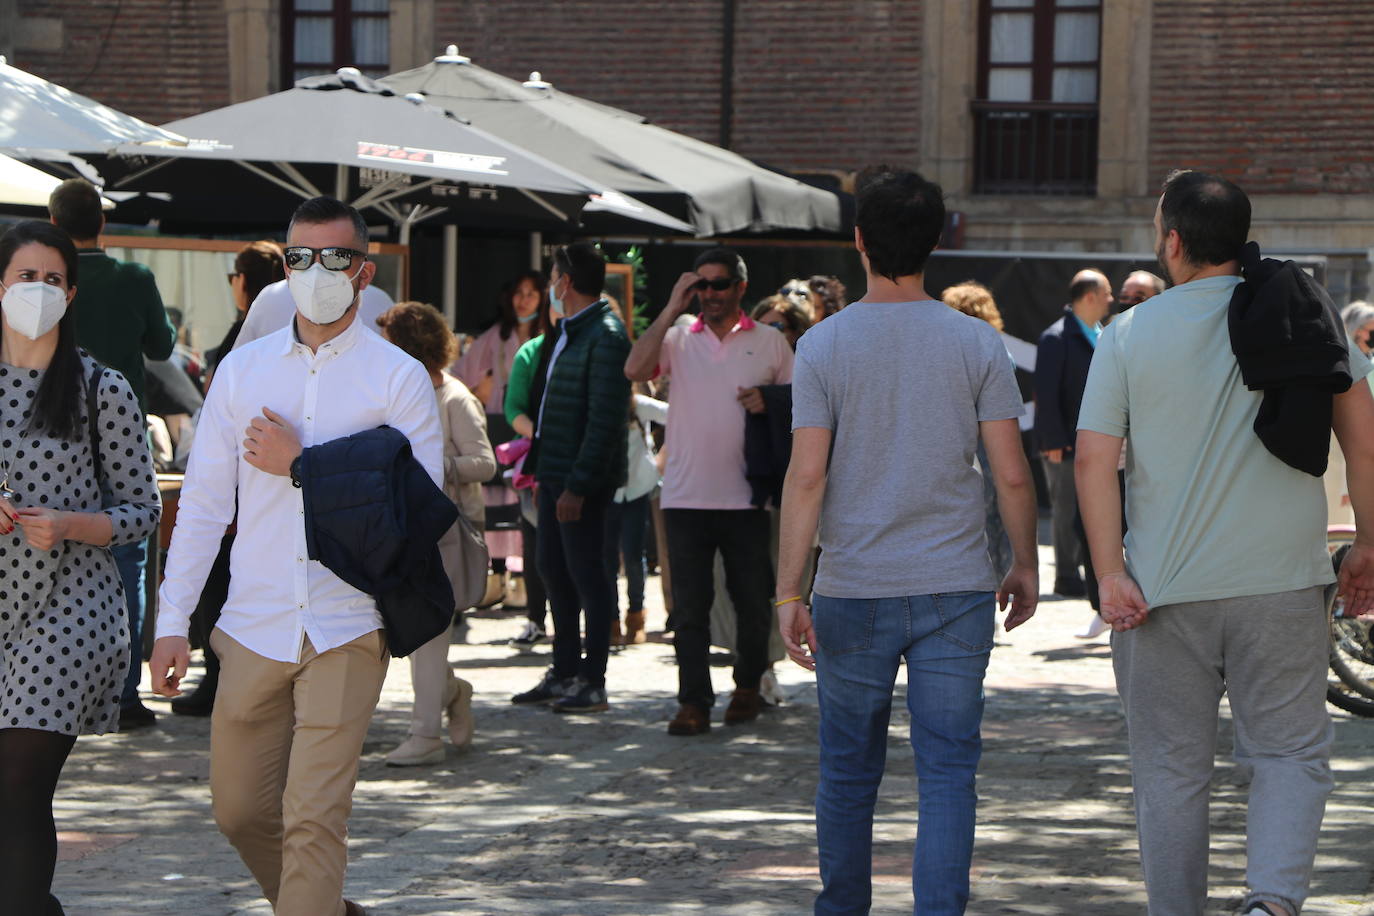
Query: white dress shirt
{"x": 277, "y": 595}
{"x": 274, "y": 308}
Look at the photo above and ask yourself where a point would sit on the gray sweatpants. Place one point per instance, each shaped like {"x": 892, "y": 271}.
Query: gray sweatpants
{"x": 1268, "y": 653}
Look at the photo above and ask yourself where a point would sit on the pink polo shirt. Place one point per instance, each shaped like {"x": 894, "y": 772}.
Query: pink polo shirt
{"x": 705, "y": 421}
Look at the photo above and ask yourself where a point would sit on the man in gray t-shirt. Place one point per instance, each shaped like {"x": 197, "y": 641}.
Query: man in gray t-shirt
{"x": 890, "y": 397}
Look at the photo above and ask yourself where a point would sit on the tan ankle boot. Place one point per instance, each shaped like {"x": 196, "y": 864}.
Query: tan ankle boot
{"x": 634, "y": 628}
{"x": 617, "y": 636}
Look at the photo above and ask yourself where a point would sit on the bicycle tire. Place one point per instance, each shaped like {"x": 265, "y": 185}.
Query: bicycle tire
{"x": 1350, "y": 690}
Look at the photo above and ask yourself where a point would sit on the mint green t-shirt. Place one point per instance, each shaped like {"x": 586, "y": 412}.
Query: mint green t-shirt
{"x": 1211, "y": 513}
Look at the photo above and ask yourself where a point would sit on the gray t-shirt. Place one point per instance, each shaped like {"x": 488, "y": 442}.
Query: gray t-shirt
{"x": 1212, "y": 514}
{"x": 902, "y": 386}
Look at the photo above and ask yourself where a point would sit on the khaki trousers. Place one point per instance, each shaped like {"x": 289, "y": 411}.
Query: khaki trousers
{"x": 285, "y": 738}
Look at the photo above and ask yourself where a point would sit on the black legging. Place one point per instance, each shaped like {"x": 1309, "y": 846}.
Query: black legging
{"x": 30, "y": 763}
{"x": 536, "y": 599}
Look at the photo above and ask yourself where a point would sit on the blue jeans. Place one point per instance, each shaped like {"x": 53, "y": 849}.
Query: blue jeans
{"x": 945, "y": 640}
{"x": 131, "y": 559}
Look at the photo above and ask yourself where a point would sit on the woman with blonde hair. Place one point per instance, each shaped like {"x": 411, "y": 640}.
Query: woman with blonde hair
{"x": 974, "y": 299}
{"x": 421, "y": 331}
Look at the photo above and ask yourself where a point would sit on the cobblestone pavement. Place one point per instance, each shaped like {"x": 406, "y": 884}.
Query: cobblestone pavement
{"x": 608, "y": 814}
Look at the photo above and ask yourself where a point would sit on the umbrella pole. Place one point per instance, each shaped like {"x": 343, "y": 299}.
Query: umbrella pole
{"x": 341, "y": 182}
{"x": 536, "y": 250}
{"x": 451, "y": 274}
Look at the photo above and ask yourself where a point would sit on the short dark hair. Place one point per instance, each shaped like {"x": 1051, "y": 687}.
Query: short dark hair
{"x": 261, "y": 265}
{"x": 1080, "y": 288}
{"x": 900, "y": 216}
{"x": 319, "y": 210}
{"x": 1210, "y": 214}
{"x": 74, "y": 206}
{"x": 583, "y": 262}
{"x": 725, "y": 257}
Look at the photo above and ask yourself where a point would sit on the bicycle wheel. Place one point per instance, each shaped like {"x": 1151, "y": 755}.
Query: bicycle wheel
{"x": 1352, "y": 655}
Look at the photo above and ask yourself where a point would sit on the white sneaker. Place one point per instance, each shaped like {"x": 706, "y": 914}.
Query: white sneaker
{"x": 416, "y": 752}
{"x": 769, "y": 691}
{"x": 532, "y": 634}
{"x": 1096, "y": 627}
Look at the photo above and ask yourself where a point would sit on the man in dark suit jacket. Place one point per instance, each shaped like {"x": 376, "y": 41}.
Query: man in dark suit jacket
{"x": 1061, "y": 374}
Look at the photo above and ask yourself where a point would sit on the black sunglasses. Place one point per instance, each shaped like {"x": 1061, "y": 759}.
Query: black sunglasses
{"x": 794, "y": 291}
{"x": 719, "y": 286}
{"x": 299, "y": 257}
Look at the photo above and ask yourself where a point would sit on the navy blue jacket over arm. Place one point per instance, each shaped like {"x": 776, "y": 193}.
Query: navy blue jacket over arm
{"x": 374, "y": 517}
{"x": 1061, "y": 375}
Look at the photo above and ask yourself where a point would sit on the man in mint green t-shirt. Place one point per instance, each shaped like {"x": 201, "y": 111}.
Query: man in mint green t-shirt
{"x": 1221, "y": 585}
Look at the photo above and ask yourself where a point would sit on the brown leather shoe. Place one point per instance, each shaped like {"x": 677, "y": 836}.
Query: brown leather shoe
{"x": 634, "y": 628}
{"x": 690, "y": 720}
{"x": 353, "y": 909}
{"x": 745, "y": 704}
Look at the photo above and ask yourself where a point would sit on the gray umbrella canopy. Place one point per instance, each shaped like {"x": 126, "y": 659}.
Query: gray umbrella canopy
{"x": 415, "y": 154}
{"x": 42, "y": 120}
{"x": 714, "y": 189}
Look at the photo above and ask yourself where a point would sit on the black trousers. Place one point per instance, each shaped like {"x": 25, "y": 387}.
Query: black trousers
{"x": 573, "y": 563}
{"x": 741, "y": 537}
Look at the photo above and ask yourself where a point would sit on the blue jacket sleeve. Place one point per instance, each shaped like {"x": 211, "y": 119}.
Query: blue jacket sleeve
{"x": 1051, "y": 429}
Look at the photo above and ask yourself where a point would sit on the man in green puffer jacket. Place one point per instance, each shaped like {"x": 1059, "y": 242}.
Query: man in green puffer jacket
{"x": 578, "y": 458}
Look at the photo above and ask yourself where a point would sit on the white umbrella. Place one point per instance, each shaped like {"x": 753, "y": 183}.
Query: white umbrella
{"x": 25, "y": 186}
{"x": 42, "y": 120}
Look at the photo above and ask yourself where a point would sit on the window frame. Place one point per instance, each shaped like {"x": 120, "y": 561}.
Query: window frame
{"x": 1042, "y": 63}
{"x": 343, "y": 16}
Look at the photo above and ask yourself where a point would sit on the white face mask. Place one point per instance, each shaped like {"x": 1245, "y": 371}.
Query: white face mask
{"x": 555, "y": 303}
{"x": 322, "y": 296}
{"x": 33, "y": 309}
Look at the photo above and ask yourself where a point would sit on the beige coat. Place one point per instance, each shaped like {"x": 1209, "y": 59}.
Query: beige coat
{"x": 468, "y": 459}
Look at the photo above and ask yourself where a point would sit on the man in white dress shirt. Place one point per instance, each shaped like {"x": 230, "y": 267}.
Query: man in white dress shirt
{"x": 303, "y": 654}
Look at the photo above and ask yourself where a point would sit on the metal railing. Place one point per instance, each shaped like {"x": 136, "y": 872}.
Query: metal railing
{"x": 1034, "y": 148}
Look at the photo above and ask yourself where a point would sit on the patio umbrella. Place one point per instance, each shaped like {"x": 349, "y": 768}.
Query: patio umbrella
{"x": 42, "y": 120}
{"x": 715, "y": 190}
{"x": 351, "y": 136}
{"x": 25, "y": 186}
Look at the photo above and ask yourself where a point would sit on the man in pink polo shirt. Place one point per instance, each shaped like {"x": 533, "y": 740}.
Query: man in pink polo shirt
{"x": 706, "y": 497}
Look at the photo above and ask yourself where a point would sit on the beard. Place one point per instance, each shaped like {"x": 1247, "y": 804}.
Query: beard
{"x": 1164, "y": 268}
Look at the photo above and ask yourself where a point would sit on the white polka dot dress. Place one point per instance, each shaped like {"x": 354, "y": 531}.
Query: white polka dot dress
{"x": 62, "y": 619}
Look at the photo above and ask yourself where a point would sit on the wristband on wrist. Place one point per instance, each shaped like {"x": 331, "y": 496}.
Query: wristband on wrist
{"x": 787, "y": 601}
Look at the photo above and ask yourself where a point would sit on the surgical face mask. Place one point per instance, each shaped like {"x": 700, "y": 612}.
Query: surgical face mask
{"x": 33, "y": 309}
{"x": 555, "y": 303}
{"x": 322, "y": 296}
{"x": 526, "y": 319}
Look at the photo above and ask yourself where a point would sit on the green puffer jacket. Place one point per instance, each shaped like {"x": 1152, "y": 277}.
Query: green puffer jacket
{"x": 581, "y": 444}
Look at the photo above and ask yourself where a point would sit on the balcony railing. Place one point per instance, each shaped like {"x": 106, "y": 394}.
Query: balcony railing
{"x": 1034, "y": 148}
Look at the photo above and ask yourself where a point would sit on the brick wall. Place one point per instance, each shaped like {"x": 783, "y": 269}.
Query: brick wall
{"x": 158, "y": 60}
{"x": 1276, "y": 94}
{"x": 817, "y": 86}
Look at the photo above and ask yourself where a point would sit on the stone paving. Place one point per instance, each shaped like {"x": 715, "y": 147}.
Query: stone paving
{"x": 609, "y": 815}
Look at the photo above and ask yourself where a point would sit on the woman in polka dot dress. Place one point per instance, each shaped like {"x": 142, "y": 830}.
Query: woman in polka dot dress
{"x": 63, "y": 636}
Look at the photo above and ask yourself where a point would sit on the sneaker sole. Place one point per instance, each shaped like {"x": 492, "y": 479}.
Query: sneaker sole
{"x": 427, "y": 760}
{"x": 596, "y": 707}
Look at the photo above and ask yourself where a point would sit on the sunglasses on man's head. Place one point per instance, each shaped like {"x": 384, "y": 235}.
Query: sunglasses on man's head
{"x": 299, "y": 257}
{"x": 794, "y": 291}
{"x": 720, "y": 285}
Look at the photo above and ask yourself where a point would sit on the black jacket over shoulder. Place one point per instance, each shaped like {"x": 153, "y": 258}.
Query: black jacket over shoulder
{"x": 1061, "y": 375}
{"x": 374, "y": 517}
{"x": 1290, "y": 343}
{"x": 768, "y": 446}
